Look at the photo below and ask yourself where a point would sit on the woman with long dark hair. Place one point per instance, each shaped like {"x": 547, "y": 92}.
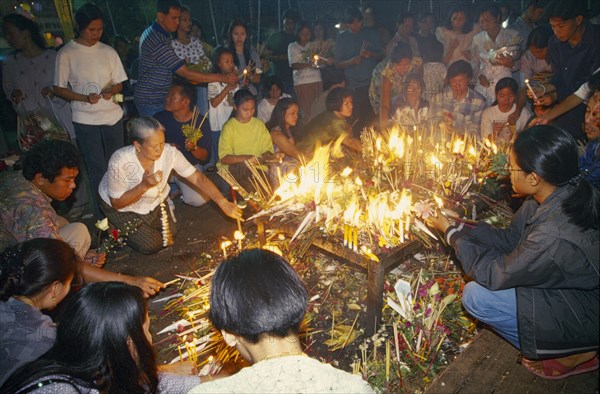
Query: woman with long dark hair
{"x": 35, "y": 275}
{"x": 282, "y": 126}
{"x": 103, "y": 344}
{"x": 536, "y": 283}
{"x": 243, "y": 54}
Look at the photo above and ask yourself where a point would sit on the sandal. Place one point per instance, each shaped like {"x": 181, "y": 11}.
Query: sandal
{"x": 94, "y": 258}
{"x": 553, "y": 369}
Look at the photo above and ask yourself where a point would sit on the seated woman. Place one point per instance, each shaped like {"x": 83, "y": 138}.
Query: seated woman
{"x": 243, "y": 138}
{"x": 135, "y": 188}
{"x": 459, "y": 106}
{"x": 35, "y": 275}
{"x": 177, "y": 116}
{"x": 387, "y": 82}
{"x": 495, "y": 122}
{"x": 103, "y": 345}
{"x": 273, "y": 90}
{"x": 282, "y": 126}
{"x": 331, "y": 124}
{"x": 415, "y": 108}
{"x": 258, "y": 302}
{"x": 536, "y": 283}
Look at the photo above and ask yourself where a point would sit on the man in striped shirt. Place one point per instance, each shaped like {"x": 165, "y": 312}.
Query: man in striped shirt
{"x": 158, "y": 62}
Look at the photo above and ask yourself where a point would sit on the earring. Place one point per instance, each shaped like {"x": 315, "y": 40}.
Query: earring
{"x": 54, "y": 301}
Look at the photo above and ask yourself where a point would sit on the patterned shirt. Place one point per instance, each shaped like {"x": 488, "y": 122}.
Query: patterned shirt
{"x": 386, "y": 69}
{"x": 191, "y": 52}
{"x": 158, "y": 62}
{"x": 25, "y": 211}
{"x": 466, "y": 114}
{"x": 26, "y": 334}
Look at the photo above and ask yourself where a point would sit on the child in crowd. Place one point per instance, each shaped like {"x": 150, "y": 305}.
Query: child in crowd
{"x": 494, "y": 120}
{"x": 220, "y": 96}
{"x": 244, "y": 138}
{"x": 273, "y": 88}
{"x": 434, "y": 71}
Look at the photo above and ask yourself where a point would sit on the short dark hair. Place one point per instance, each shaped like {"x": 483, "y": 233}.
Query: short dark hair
{"x": 539, "y": 37}
{"x": 120, "y": 38}
{"x": 163, "y": 6}
{"x": 243, "y": 95}
{"x": 92, "y": 347}
{"x": 552, "y": 154}
{"x": 467, "y": 27}
{"x": 188, "y": 91}
{"x": 22, "y": 23}
{"x": 492, "y": 8}
{"x": 220, "y": 51}
{"x": 507, "y": 82}
{"x": 257, "y": 293}
{"x": 301, "y": 25}
{"x": 401, "y": 51}
{"x": 85, "y": 15}
{"x": 48, "y": 158}
{"x": 291, "y": 13}
{"x": 566, "y": 10}
{"x": 335, "y": 98}
{"x": 270, "y": 81}
{"x": 537, "y": 4}
{"x": 459, "y": 67}
{"x": 404, "y": 16}
{"x": 352, "y": 14}
{"x": 29, "y": 267}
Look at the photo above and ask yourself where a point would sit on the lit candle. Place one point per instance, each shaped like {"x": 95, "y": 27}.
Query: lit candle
{"x": 535, "y": 97}
{"x": 355, "y": 246}
{"x": 224, "y": 246}
{"x": 239, "y": 236}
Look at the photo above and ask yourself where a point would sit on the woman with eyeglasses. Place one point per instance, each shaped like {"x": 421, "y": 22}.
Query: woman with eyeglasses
{"x": 536, "y": 283}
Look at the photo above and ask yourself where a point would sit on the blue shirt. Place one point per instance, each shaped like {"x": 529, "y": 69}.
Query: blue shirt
{"x": 590, "y": 162}
{"x": 157, "y": 64}
{"x": 174, "y": 135}
{"x": 348, "y": 45}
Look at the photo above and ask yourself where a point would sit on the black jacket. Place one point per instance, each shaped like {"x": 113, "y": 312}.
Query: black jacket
{"x": 553, "y": 266}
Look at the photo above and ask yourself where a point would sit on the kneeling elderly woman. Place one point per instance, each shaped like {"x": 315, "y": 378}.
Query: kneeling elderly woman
{"x": 536, "y": 282}
{"x": 137, "y": 183}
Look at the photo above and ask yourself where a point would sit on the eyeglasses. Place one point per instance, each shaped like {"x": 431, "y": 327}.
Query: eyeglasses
{"x": 508, "y": 168}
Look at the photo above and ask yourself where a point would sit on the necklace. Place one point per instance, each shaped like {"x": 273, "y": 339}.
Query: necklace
{"x": 283, "y": 354}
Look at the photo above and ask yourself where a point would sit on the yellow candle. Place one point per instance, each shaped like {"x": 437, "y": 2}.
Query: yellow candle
{"x": 355, "y": 238}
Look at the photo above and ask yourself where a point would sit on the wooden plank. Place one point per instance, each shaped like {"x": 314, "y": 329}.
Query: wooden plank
{"x": 489, "y": 365}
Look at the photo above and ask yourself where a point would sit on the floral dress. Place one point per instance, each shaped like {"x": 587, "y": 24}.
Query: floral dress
{"x": 386, "y": 69}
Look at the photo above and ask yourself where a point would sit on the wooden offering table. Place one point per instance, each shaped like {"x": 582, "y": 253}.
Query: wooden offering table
{"x": 375, "y": 270}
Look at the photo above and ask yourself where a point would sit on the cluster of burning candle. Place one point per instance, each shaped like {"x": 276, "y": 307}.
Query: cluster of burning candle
{"x": 375, "y": 198}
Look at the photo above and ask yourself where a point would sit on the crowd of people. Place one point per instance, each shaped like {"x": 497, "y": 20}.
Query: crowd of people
{"x": 532, "y": 81}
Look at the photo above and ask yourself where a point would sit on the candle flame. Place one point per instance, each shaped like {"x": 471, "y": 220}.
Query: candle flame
{"x": 238, "y": 235}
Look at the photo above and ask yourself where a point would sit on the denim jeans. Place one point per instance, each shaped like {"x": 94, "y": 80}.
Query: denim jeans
{"x": 149, "y": 109}
{"x": 497, "y": 309}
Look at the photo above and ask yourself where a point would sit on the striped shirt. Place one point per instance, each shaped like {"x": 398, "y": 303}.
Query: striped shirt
{"x": 158, "y": 63}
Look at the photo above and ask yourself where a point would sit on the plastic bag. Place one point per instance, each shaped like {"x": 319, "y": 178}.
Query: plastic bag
{"x": 35, "y": 126}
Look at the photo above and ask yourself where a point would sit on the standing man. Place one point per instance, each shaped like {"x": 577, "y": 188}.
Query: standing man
{"x": 278, "y": 45}
{"x": 357, "y": 52}
{"x": 526, "y": 22}
{"x": 158, "y": 61}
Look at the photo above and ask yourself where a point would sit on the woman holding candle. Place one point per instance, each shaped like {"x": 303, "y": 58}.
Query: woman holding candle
{"x": 103, "y": 345}
{"x": 135, "y": 189}
{"x": 258, "y": 302}
{"x": 495, "y": 119}
{"x": 536, "y": 283}
{"x": 244, "y": 56}
{"x": 88, "y": 73}
{"x": 388, "y": 81}
{"x": 304, "y": 63}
